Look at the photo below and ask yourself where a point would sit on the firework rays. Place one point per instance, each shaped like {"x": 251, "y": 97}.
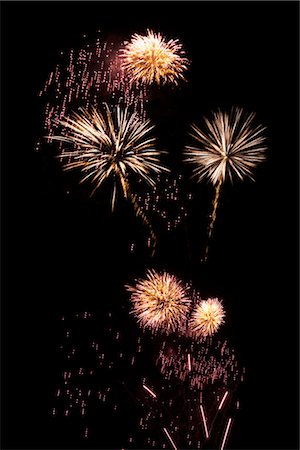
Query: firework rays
{"x": 113, "y": 144}
{"x": 160, "y": 301}
{"x": 231, "y": 146}
{"x": 207, "y": 317}
{"x": 153, "y": 59}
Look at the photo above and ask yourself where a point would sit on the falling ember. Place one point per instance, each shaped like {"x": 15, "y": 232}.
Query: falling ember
{"x": 231, "y": 146}
{"x": 207, "y": 317}
{"x": 204, "y": 422}
{"x": 223, "y": 400}
{"x": 176, "y": 407}
{"x": 86, "y": 76}
{"x": 151, "y": 58}
{"x": 160, "y": 301}
{"x": 149, "y": 390}
{"x": 226, "y": 434}
{"x": 170, "y": 439}
{"x": 139, "y": 212}
{"x": 214, "y": 363}
{"x": 189, "y": 362}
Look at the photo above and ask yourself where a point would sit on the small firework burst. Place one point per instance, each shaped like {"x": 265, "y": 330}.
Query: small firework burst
{"x": 160, "y": 301}
{"x": 231, "y": 146}
{"x": 110, "y": 145}
{"x": 207, "y": 317}
{"x": 151, "y": 58}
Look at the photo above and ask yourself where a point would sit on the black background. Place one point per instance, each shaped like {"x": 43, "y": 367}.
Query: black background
{"x": 58, "y": 249}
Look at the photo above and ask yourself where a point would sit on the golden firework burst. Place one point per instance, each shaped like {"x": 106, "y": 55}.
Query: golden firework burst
{"x": 115, "y": 144}
{"x": 207, "y": 317}
{"x": 151, "y": 58}
{"x": 160, "y": 301}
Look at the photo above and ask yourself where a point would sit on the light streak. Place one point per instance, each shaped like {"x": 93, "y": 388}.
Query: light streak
{"x": 223, "y": 400}
{"x": 204, "y": 421}
{"x": 226, "y": 433}
{"x": 170, "y": 439}
{"x": 189, "y": 362}
{"x": 149, "y": 390}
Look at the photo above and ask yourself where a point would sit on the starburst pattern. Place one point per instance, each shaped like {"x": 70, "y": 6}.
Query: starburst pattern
{"x": 115, "y": 145}
{"x": 232, "y": 145}
{"x": 160, "y": 301}
{"x": 151, "y": 58}
{"x": 207, "y": 317}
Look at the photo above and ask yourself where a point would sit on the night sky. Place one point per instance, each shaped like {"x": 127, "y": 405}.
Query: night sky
{"x": 64, "y": 252}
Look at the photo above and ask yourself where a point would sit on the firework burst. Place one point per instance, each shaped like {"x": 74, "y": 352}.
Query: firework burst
{"x": 110, "y": 145}
{"x": 207, "y": 317}
{"x": 160, "y": 301}
{"x": 232, "y": 146}
{"x": 151, "y": 58}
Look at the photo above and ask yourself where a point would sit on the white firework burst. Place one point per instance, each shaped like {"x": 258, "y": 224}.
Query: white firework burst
{"x": 231, "y": 145}
{"x": 114, "y": 145}
{"x": 160, "y": 301}
{"x": 207, "y": 317}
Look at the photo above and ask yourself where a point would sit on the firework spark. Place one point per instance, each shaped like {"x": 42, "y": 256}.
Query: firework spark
{"x": 85, "y": 76}
{"x": 151, "y": 58}
{"x": 214, "y": 362}
{"x": 160, "y": 301}
{"x": 207, "y": 317}
{"x": 231, "y": 146}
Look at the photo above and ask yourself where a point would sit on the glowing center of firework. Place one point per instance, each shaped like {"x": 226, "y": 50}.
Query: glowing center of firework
{"x": 159, "y": 301}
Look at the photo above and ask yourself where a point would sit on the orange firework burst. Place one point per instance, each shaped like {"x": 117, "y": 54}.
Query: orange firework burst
{"x": 207, "y": 317}
{"x": 160, "y": 301}
{"x": 151, "y": 58}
